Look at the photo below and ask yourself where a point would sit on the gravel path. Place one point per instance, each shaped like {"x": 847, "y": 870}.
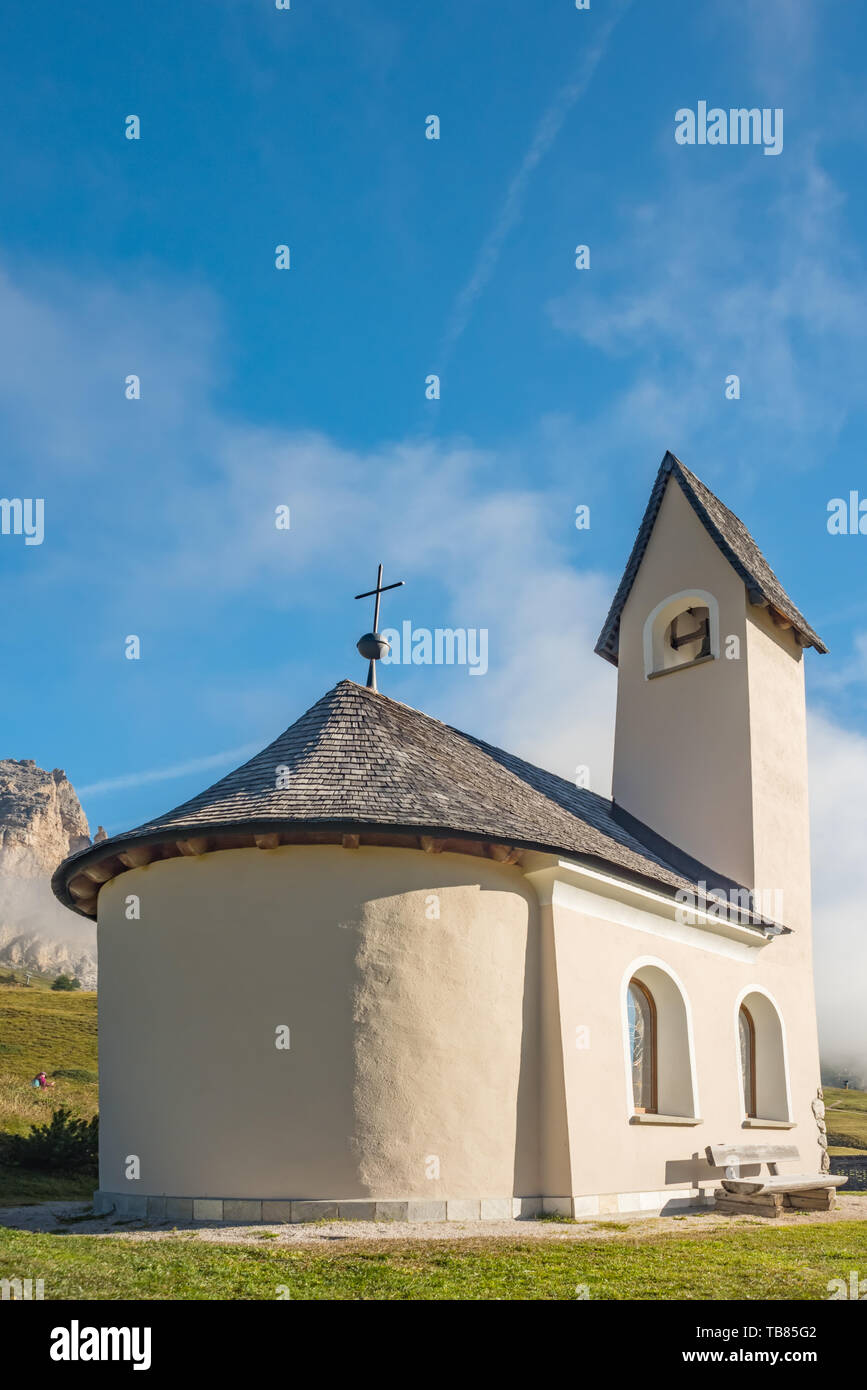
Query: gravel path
{"x": 75, "y": 1218}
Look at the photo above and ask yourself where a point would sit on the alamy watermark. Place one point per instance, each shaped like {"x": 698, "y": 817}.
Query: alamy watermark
{"x": 737, "y": 126}
{"x": 23, "y": 516}
{"x": 444, "y": 646}
{"x": 847, "y": 516}
{"x": 21, "y": 1290}
{"x": 855, "y": 1288}
{"x": 77, "y": 1343}
{"x": 766, "y": 905}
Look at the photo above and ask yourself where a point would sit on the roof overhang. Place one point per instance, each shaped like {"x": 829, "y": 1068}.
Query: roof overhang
{"x": 78, "y": 880}
{"x": 728, "y": 920}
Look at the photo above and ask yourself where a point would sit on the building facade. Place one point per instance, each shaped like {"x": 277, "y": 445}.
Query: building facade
{"x": 388, "y": 970}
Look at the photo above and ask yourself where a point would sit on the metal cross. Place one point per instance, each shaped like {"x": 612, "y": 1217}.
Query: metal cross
{"x": 372, "y": 643}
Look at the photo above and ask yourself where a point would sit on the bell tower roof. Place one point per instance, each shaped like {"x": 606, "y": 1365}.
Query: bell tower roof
{"x": 731, "y": 537}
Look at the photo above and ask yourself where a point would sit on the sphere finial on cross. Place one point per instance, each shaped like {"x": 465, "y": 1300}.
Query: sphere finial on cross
{"x": 372, "y": 645}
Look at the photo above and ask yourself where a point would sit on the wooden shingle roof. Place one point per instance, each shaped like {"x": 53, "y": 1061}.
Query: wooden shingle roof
{"x": 359, "y": 763}
{"x": 732, "y": 538}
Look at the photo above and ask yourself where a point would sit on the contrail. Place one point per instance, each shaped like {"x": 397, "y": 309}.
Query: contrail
{"x": 165, "y": 774}
{"x": 546, "y": 133}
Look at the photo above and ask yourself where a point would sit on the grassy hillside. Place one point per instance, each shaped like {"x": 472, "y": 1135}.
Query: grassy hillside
{"x": 15, "y": 975}
{"x": 846, "y": 1118}
{"x": 54, "y": 1032}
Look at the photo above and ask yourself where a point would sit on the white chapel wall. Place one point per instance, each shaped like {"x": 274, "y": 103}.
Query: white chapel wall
{"x": 681, "y": 755}
{"x": 409, "y": 983}
{"x": 595, "y": 958}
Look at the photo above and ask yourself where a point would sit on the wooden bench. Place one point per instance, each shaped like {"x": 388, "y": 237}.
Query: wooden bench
{"x": 758, "y": 1196}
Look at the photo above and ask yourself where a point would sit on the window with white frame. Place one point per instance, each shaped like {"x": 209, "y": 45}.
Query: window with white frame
{"x": 659, "y": 1050}
{"x": 761, "y": 1056}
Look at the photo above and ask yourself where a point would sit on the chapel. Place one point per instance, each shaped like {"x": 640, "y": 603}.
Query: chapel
{"x": 388, "y": 970}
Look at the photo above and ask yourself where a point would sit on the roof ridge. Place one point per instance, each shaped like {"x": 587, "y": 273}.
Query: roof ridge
{"x": 361, "y": 762}
{"x": 732, "y": 538}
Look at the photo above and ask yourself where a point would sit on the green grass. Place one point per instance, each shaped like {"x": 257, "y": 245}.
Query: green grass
{"x": 846, "y": 1118}
{"x": 54, "y": 1032}
{"x": 21, "y": 1187}
{"x": 13, "y": 975}
{"x": 736, "y": 1262}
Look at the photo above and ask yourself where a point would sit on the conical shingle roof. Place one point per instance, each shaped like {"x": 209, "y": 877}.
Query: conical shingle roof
{"x": 358, "y": 762}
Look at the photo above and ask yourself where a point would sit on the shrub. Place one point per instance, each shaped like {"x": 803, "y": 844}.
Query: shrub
{"x": 67, "y": 1145}
{"x": 66, "y": 982}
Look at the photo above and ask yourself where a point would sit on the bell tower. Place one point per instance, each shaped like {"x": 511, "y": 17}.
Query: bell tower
{"x": 710, "y": 744}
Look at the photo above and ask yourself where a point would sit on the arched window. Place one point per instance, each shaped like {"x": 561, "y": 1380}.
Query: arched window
{"x": 641, "y": 1014}
{"x": 747, "y": 1040}
{"x": 681, "y": 631}
{"x": 762, "y": 1067}
{"x": 659, "y": 1055}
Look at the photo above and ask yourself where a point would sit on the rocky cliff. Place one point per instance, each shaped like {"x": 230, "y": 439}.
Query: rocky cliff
{"x": 41, "y": 822}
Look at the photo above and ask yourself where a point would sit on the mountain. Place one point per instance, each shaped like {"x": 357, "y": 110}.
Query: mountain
{"x": 41, "y": 822}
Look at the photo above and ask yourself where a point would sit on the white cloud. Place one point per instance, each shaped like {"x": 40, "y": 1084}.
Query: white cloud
{"x": 838, "y": 777}
{"x": 704, "y": 290}
{"x": 846, "y": 675}
{"x": 66, "y": 350}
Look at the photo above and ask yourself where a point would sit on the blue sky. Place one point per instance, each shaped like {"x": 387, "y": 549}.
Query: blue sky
{"x": 409, "y": 257}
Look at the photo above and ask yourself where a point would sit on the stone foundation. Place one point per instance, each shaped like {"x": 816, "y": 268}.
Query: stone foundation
{"x": 245, "y": 1211}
